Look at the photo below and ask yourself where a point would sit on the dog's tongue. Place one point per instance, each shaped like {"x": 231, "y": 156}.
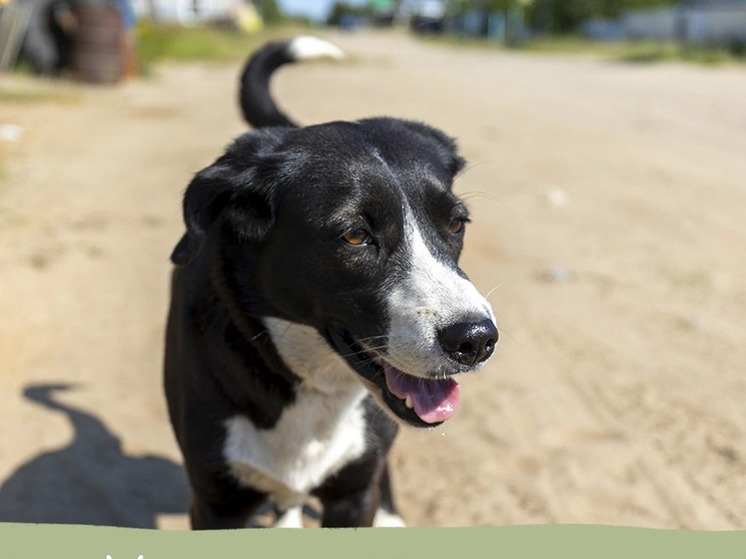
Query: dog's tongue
{"x": 433, "y": 400}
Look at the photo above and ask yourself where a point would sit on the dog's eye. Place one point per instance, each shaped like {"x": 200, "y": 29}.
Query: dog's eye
{"x": 456, "y": 225}
{"x": 357, "y": 237}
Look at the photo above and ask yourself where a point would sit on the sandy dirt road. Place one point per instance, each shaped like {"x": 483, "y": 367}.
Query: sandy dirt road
{"x": 609, "y": 203}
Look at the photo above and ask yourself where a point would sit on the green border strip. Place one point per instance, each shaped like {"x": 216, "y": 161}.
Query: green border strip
{"x": 32, "y": 541}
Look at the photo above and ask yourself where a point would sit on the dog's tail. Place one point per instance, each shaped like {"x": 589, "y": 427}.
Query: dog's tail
{"x": 258, "y": 107}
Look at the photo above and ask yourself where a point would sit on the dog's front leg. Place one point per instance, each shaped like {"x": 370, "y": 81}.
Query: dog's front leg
{"x": 350, "y": 498}
{"x": 223, "y": 511}
{"x": 352, "y": 510}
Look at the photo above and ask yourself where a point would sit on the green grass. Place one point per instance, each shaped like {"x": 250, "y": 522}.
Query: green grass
{"x": 635, "y": 51}
{"x": 19, "y": 95}
{"x": 157, "y": 43}
{"x": 662, "y": 52}
{"x": 170, "y": 42}
{"x": 643, "y": 52}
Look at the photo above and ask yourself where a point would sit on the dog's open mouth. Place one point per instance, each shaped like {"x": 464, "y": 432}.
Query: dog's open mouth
{"x": 419, "y": 401}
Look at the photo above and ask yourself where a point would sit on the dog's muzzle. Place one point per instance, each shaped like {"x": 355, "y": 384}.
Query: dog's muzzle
{"x": 419, "y": 401}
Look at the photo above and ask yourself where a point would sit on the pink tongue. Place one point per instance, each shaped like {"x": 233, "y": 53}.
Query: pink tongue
{"x": 433, "y": 400}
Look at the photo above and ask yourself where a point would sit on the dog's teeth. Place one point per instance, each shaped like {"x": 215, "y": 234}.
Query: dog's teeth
{"x": 408, "y": 402}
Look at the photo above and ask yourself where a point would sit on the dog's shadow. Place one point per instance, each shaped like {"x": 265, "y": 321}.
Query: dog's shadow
{"x": 91, "y": 481}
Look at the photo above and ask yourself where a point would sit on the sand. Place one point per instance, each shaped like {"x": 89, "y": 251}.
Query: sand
{"x": 608, "y": 202}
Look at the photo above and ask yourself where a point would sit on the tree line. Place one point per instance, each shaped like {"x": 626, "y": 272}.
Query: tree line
{"x": 557, "y": 16}
{"x": 549, "y": 16}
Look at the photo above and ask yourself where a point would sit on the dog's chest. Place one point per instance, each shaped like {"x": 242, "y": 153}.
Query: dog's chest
{"x": 314, "y": 438}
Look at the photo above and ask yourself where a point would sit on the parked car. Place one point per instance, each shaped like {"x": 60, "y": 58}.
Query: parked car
{"x": 428, "y": 17}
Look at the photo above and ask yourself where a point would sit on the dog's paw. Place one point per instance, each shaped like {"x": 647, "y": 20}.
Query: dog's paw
{"x": 386, "y": 519}
{"x": 291, "y": 518}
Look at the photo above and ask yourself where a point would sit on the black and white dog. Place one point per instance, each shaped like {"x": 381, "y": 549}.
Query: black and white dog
{"x": 316, "y": 302}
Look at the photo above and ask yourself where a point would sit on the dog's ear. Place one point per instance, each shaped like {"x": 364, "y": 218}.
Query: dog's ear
{"x": 445, "y": 146}
{"x": 233, "y": 189}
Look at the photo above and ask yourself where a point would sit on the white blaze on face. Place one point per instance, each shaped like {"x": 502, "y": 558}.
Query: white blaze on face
{"x": 431, "y": 296}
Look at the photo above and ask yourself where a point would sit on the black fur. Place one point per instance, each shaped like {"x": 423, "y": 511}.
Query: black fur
{"x": 263, "y": 239}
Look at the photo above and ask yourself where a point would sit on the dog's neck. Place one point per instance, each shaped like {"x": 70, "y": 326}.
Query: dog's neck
{"x": 309, "y": 357}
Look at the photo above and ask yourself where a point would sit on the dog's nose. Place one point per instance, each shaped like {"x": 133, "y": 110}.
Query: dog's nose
{"x": 469, "y": 343}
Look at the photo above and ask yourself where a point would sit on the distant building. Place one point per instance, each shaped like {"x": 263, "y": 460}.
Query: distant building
{"x": 187, "y": 11}
{"x": 712, "y": 3}
{"x": 690, "y": 21}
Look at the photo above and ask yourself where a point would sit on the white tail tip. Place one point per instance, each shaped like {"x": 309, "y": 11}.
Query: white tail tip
{"x": 306, "y": 47}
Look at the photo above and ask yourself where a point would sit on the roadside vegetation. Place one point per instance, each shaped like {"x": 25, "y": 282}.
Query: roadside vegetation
{"x": 163, "y": 42}
{"x": 639, "y": 51}
{"x": 543, "y": 26}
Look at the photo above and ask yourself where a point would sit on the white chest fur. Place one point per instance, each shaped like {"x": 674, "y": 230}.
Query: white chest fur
{"x": 318, "y": 434}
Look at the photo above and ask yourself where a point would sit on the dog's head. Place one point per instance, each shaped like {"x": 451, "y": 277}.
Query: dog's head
{"x": 351, "y": 229}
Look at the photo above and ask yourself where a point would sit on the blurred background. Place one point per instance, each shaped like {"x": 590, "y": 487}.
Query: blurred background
{"x": 89, "y": 37}
{"x": 607, "y": 185}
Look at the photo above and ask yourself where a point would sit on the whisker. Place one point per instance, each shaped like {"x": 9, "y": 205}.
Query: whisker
{"x": 471, "y": 166}
{"x": 258, "y": 335}
{"x": 478, "y": 194}
{"x": 281, "y": 335}
{"x": 375, "y": 350}
{"x": 369, "y": 338}
{"x": 506, "y": 333}
{"x": 491, "y": 291}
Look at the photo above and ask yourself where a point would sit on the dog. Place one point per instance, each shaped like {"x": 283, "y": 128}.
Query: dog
{"x": 316, "y": 305}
